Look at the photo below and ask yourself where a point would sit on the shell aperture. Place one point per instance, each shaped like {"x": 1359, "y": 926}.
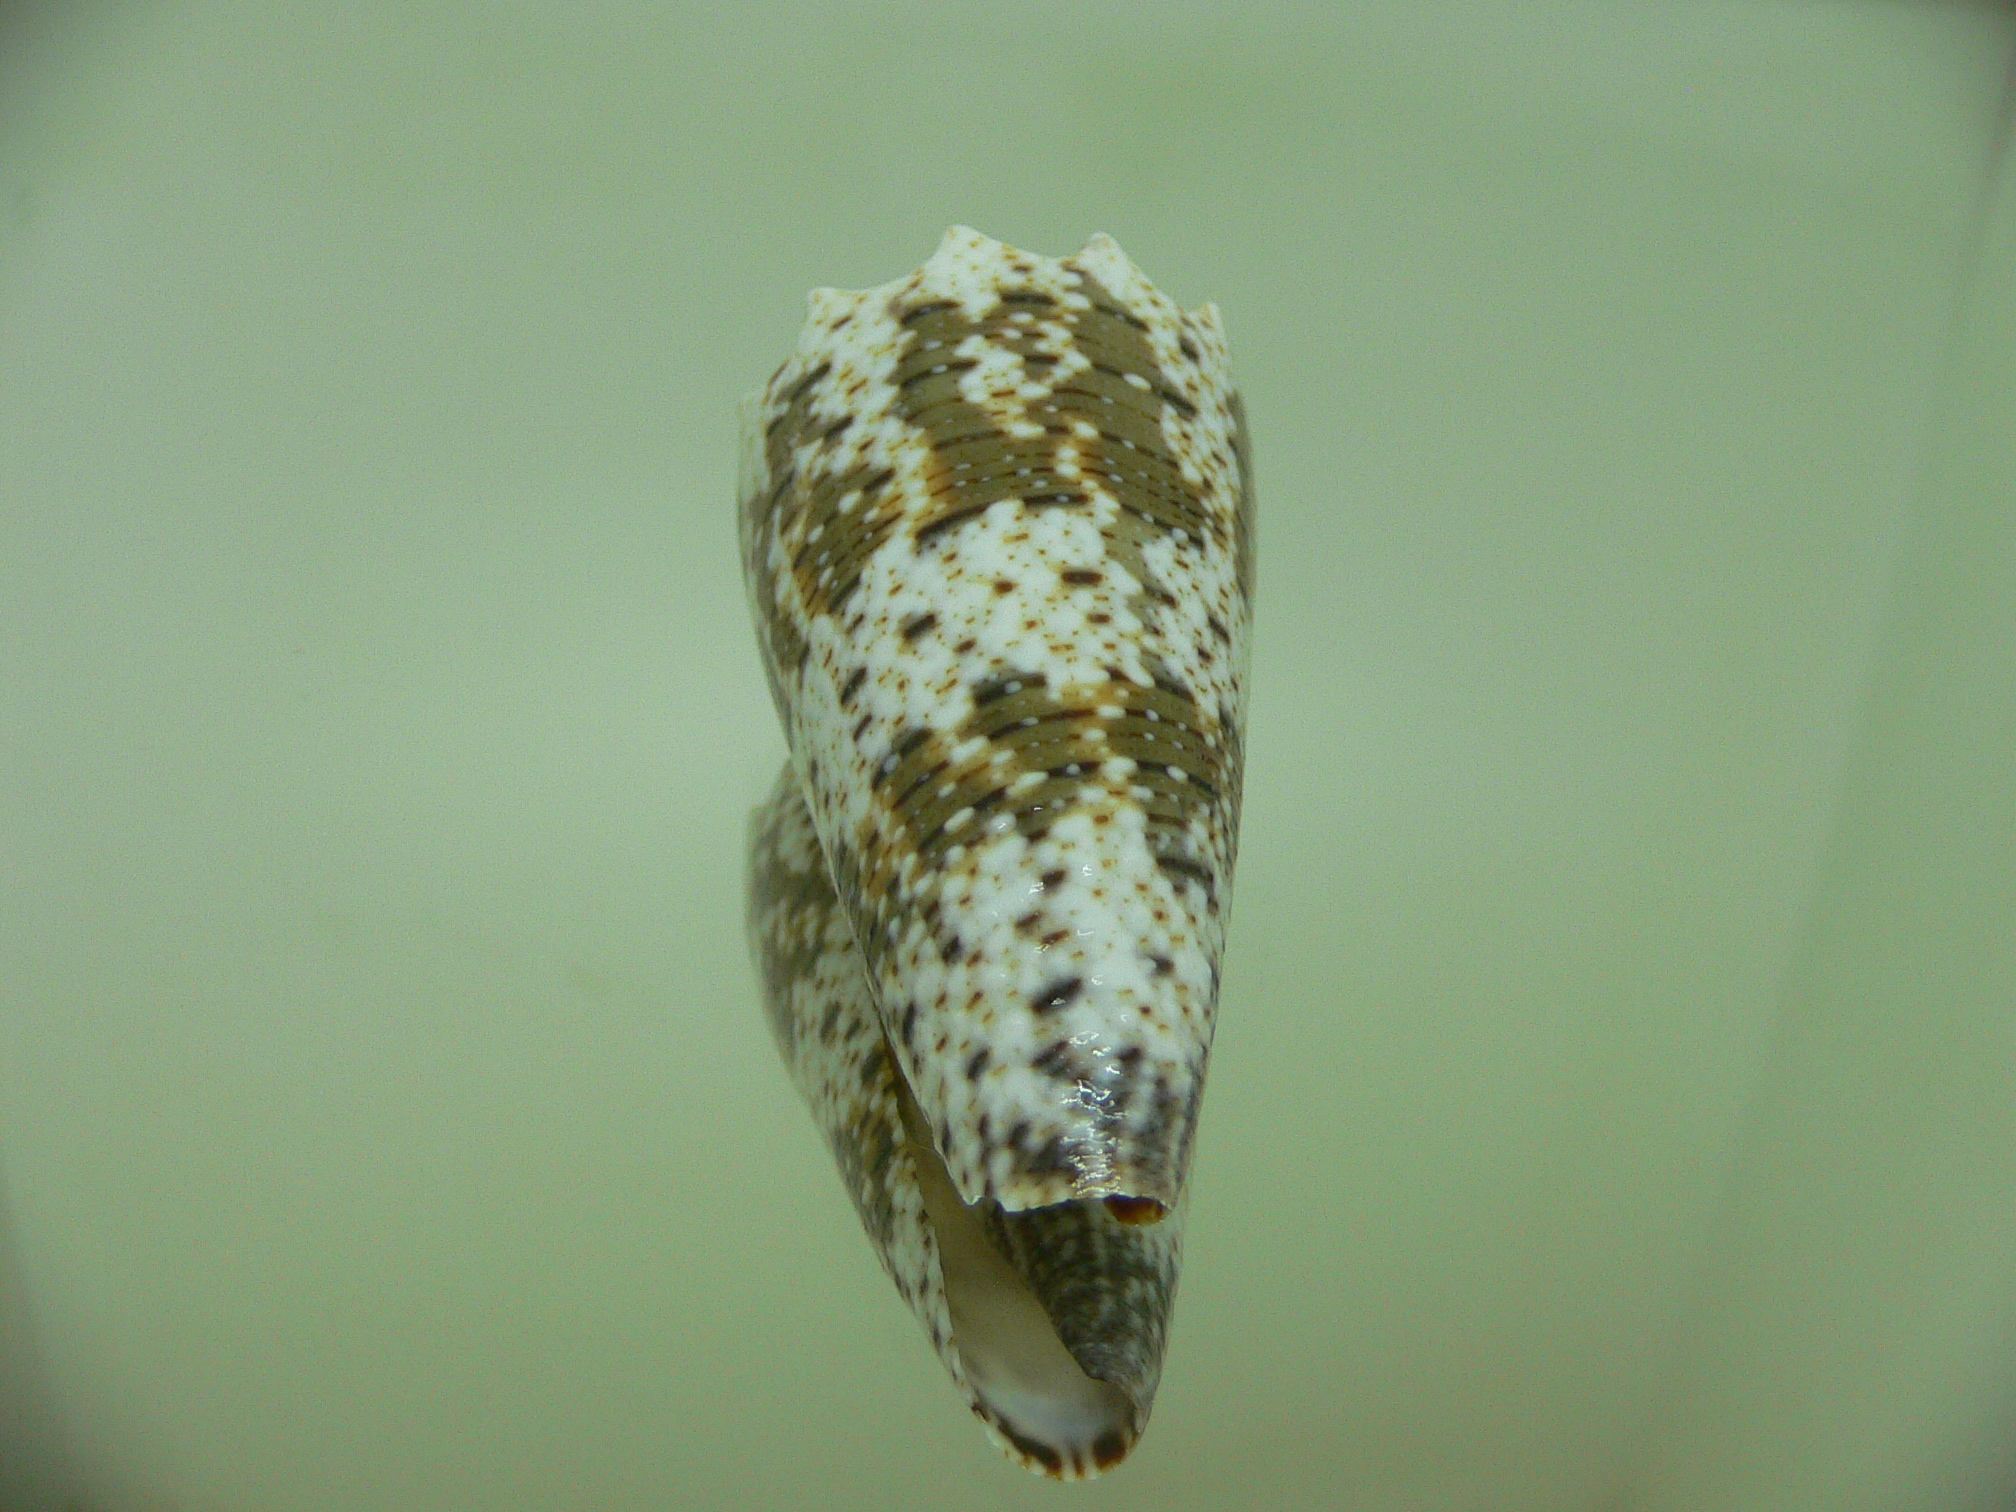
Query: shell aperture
{"x": 997, "y": 525}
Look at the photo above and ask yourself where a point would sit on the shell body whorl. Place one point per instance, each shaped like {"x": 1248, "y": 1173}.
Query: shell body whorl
{"x": 997, "y": 526}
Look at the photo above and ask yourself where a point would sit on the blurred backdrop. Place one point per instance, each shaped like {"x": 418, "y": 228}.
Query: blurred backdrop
{"x": 1614, "y": 1103}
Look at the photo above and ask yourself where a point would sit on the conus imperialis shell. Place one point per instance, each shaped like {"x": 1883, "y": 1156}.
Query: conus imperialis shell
{"x": 997, "y": 526}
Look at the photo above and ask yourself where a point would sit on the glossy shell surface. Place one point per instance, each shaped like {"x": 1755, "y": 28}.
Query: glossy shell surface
{"x": 997, "y": 527}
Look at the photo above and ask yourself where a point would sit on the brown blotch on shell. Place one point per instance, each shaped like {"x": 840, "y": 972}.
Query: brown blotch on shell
{"x": 1134, "y": 1211}
{"x": 1060, "y": 994}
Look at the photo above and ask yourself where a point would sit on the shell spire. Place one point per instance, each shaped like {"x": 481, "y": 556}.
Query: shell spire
{"x": 997, "y": 524}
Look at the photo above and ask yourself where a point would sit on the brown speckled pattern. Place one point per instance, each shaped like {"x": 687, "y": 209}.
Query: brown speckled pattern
{"x": 822, "y": 1014}
{"x": 1108, "y": 1287}
{"x": 997, "y": 524}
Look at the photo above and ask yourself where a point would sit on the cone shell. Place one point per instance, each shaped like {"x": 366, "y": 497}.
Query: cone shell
{"x": 997, "y": 524}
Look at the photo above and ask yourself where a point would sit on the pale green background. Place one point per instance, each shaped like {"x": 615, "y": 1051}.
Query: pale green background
{"x": 1615, "y": 1093}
